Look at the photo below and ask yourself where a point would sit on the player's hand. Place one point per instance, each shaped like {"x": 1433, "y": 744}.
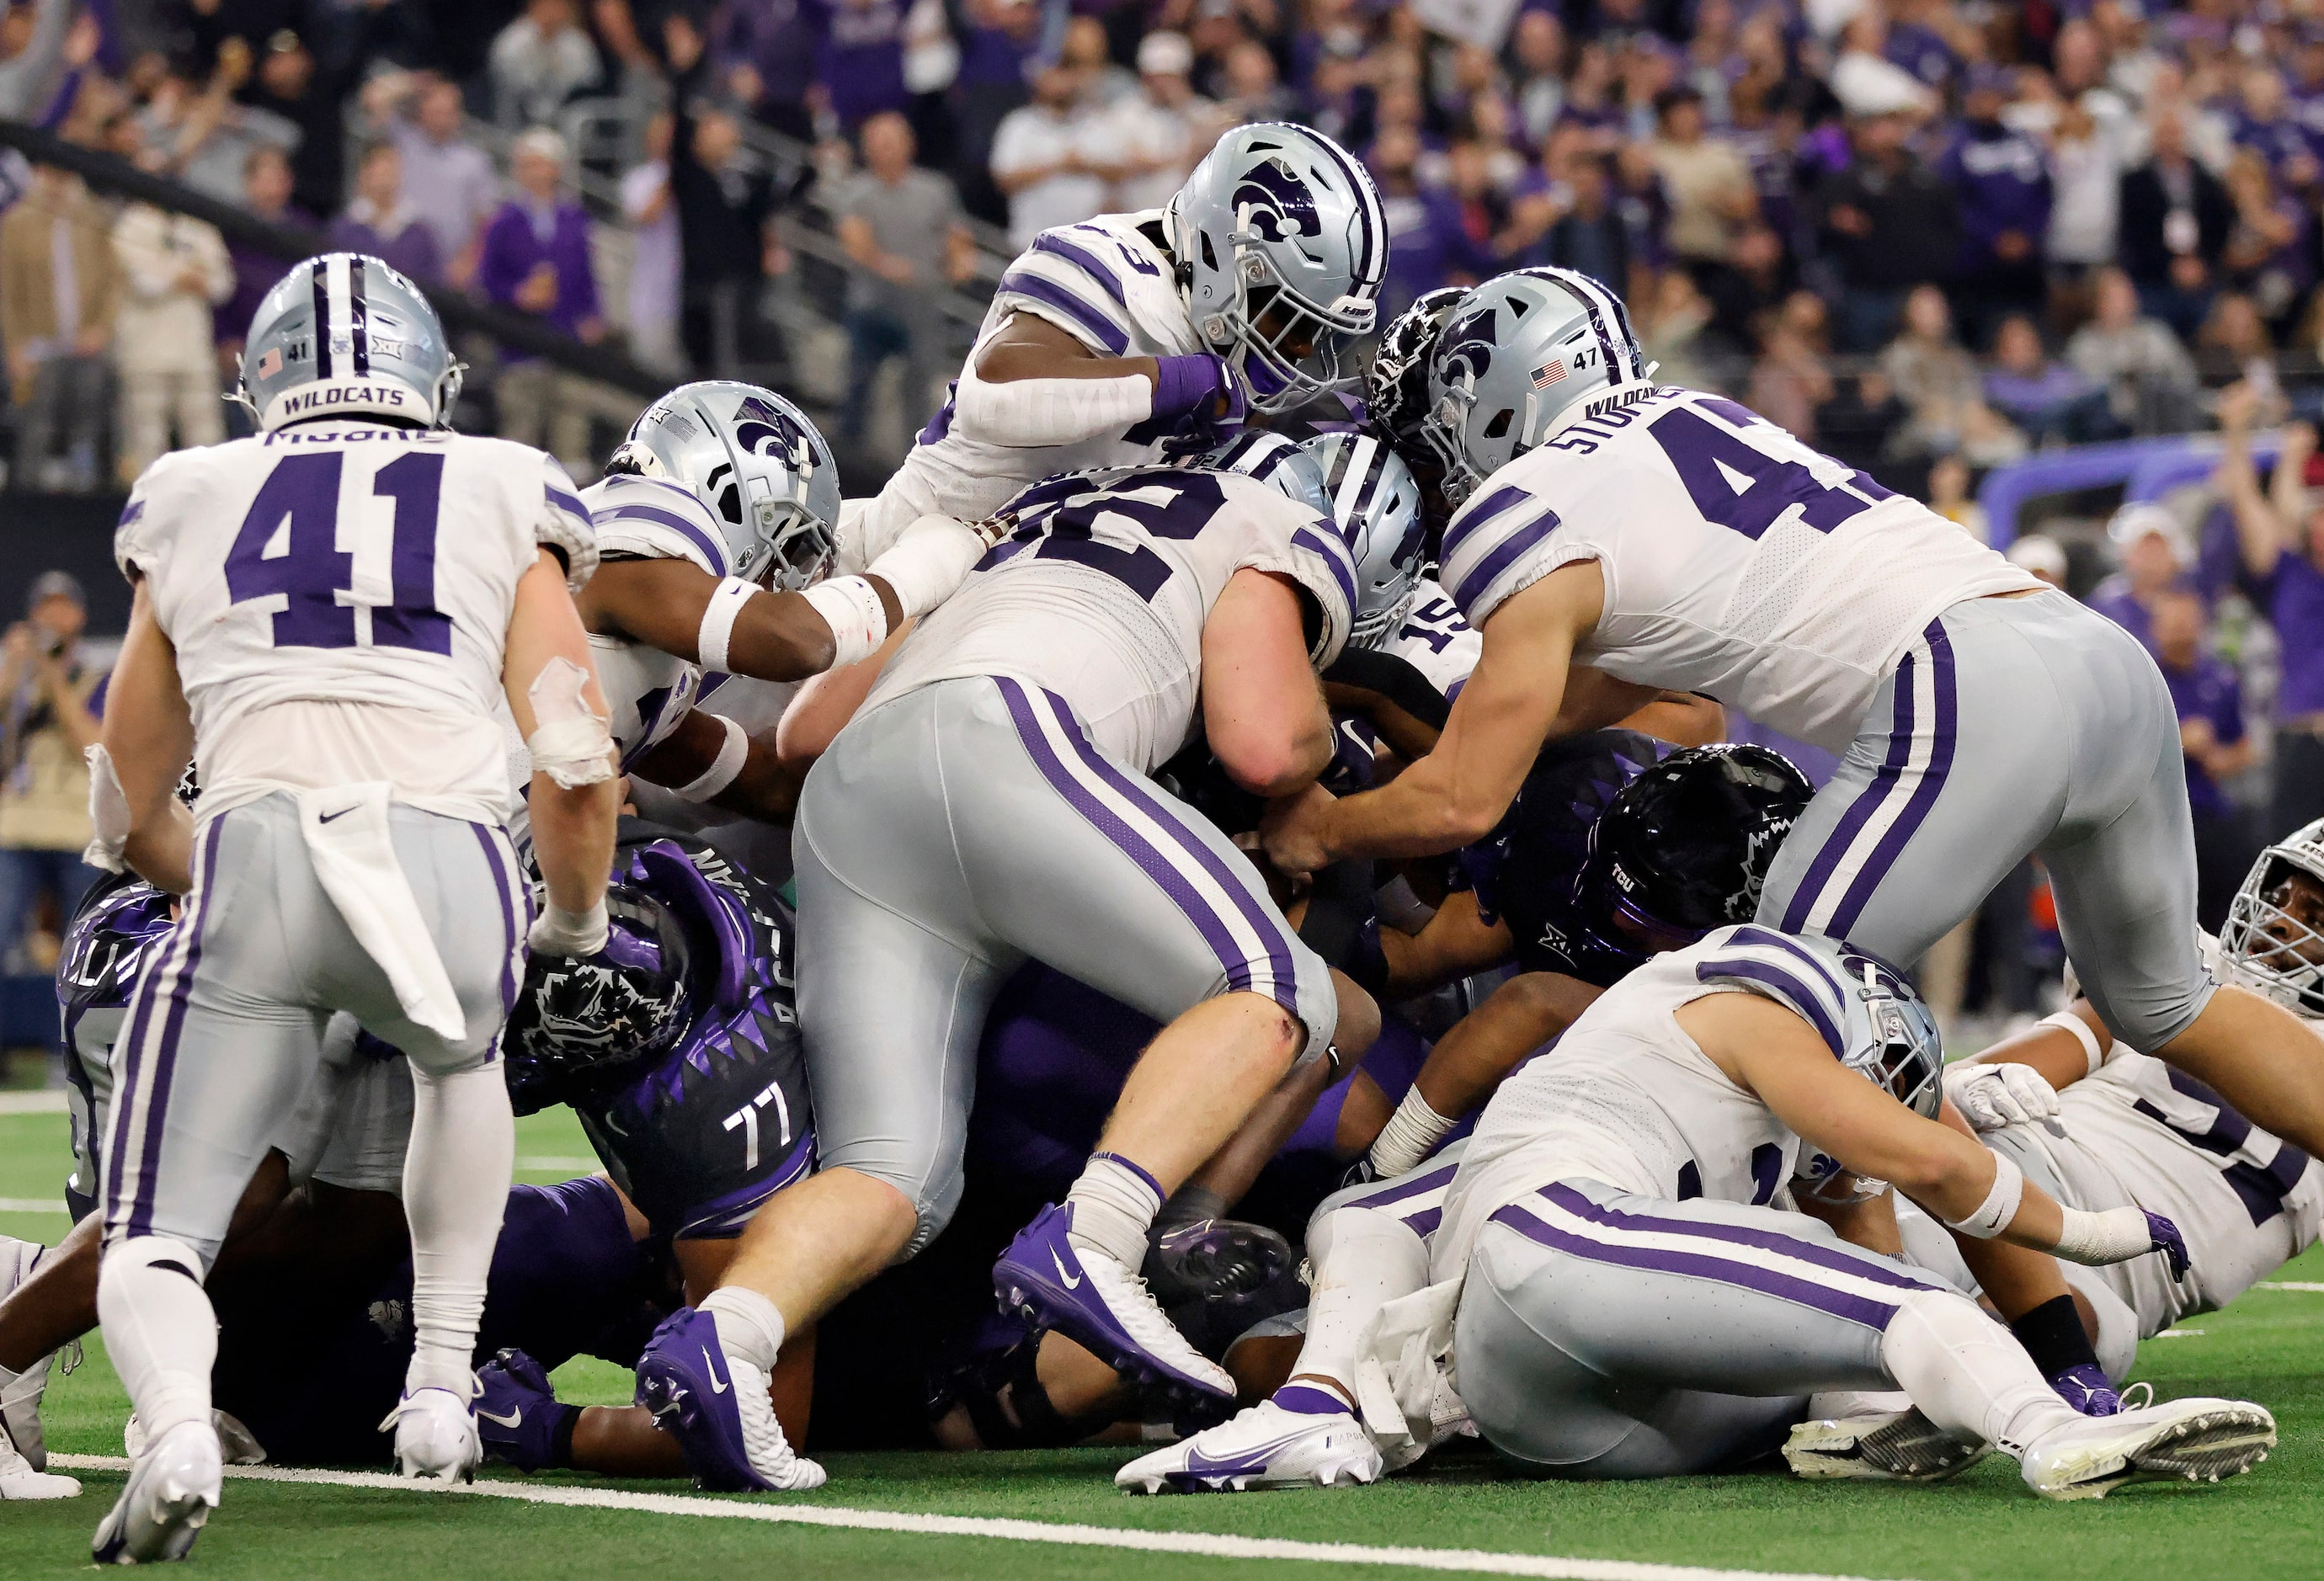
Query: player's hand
{"x": 1293, "y": 831}
{"x": 1990, "y": 1096}
{"x": 2168, "y": 1241}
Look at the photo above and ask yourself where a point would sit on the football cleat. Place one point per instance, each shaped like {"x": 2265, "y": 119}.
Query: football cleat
{"x": 1266, "y": 1447}
{"x": 18, "y": 1480}
{"x": 718, "y": 1410}
{"x": 172, "y": 1488}
{"x": 19, "y": 1392}
{"x": 2084, "y": 1386}
{"x": 1214, "y": 1259}
{"x": 517, "y": 1411}
{"x": 1895, "y": 1445}
{"x": 1101, "y": 1306}
{"x": 237, "y": 1445}
{"x": 436, "y": 1437}
{"x": 2186, "y": 1440}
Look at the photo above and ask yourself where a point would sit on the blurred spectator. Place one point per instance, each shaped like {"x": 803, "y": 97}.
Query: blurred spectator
{"x": 999, "y": 40}
{"x": 265, "y": 196}
{"x": 766, "y": 59}
{"x": 2048, "y": 402}
{"x": 2003, "y": 177}
{"x": 727, "y": 243}
{"x": 290, "y": 85}
{"x": 1671, "y": 328}
{"x": 174, "y": 269}
{"x": 1889, "y": 224}
{"x": 451, "y": 180}
{"x": 1165, "y": 128}
{"x": 32, "y": 37}
{"x": 1712, "y": 196}
{"x": 59, "y": 287}
{"x": 2233, "y": 348}
{"x": 1589, "y": 235}
{"x": 381, "y": 222}
{"x": 2086, "y": 188}
{"x": 536, "y": 259}
{"x": 2155, "y": 555}
{"x": 1950, "y": 496}
{"x": 655, "y": 268}
{"x": 48, "y": 691}
{"x": 1086, "y": 53}
{"x": 2041, "y": 556}
{"x": 538, "y": 61}
{"x": 1253, "y": 92}
{"x": 1048, "y": 159}
{"x": 1537, "y": 49}
{"x": 1791, "y": 379}
{"x": 2176, "y": 217}
{"x": 1939, "y": 386}
{"x": 2148, "y": 377}
{"x": 859, "y": 60}
{"x": 2208, "y": 697}
{"x": 902, "y": 228}
{"x": 2281, "y": 535}
{"x": 2270, "y": 253}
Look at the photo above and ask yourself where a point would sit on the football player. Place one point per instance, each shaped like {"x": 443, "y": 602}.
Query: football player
{"x": 988, "y": 804}
{"x": 1111, "y": 340}
{"x": 1674, "y": 539}
{"x": 351, "y": 853}
{"x": 1621, "y": 1296}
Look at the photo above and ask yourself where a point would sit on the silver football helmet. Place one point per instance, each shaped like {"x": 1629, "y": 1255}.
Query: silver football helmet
{"x": 345, "y": 333}
{"x": 1282, "y": 246}
{"x": 1517, "y": 354}
{"x": 2273, "y": 940}
{"x": 759, "y": 465}
{"x": 1275, "y": 461}
{"x": 1396, "y": 386}
{"x": 1376, "y": 502}
{"x": 1884, "y": 1029}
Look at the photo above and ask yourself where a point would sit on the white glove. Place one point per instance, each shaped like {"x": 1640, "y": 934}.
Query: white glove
{"x": 558, "y": 931}
{"x": 928, "y": 560}
{"x": 1990, "y": 1096}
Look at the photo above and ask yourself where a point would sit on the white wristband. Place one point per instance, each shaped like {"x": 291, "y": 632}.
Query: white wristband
{"x": 723, "y": 769}
{"x": 851, "y": 607}
{"x": 930, "y": 560}
{"x": 2116, "y": 1235}
{"x": 578, "y": 934}
{"x": 710, "y": 642}
{"x": 2066, "y": 1021}
{"x": 2000, "y": 1204}
{"x": 1411, "y": 1132}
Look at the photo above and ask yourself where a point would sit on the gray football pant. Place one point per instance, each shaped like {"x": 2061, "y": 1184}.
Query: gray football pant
{"x": 2011, "y": 726}
{"x": 946, "y": 837}
{"x": 225, "y": 1028}
{"x": 1603, "y": 1334}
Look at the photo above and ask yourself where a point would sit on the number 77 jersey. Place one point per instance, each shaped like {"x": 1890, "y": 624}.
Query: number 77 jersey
{"x": 1737, "y": 562}
{"x": 332, "y": 563}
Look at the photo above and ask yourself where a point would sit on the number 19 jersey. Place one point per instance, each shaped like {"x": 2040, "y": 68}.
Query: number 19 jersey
{"x": 338, "y": 594}
{"x": 1737, "y": 562}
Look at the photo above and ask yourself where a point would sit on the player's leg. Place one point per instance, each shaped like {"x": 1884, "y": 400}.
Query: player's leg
{"x": 1099, "y": 873}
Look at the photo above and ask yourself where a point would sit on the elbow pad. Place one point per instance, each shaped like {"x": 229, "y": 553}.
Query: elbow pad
{"x": 1037, "y": 413}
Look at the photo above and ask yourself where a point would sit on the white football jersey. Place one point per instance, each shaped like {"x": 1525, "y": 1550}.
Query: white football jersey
{"x": 1737, "y": 562}
{"x": 1626, "y": 1099}
{"x": 338, "y": 594}
{"x": 1436, "y": 642}
{"x": 649, "y": 691}
{"x": 1100, "y": 595}
{"x": 1107, "y": 282}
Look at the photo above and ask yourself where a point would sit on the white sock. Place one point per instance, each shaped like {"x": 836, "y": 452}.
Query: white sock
{"x": 1363, "y": 1259}
{"x": 1968, "y": 1373}
{"x": 158, "y": 1329}
{"x": 455, "y": 1184}
{"x": 750, "y": 1329}
{"x": 1114, "y": 1203}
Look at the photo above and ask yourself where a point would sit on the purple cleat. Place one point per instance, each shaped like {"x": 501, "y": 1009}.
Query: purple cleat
{"x": 518, "y": 1415}
{"x": 718, "y": 1410}
{"x": 1095, "y": 1301}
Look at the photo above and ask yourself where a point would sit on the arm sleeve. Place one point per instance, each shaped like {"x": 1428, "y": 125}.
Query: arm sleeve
{"x": 563, "y": 524}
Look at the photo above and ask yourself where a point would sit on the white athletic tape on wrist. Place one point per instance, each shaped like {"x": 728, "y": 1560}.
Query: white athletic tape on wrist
{"x": 1410, "y": 1133}
{"x": 717, "y": 632}
{"x": 930, "y": 559}
{"x": 2096, "y": 1239}
{"x": 723, "y": 769}
{"x": 1040, "y": 412}
{"x": 2000, "y": 1205}
{"x": 2092, "y": 1049}
{"x": 108, "y": 812}
{"x": 558, "y": 931}
{"x": 569, "y": 741}
{"x": 851, "y": 607}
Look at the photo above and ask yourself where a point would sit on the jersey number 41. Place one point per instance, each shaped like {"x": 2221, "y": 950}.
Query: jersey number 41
{"x": 288, "y": 545}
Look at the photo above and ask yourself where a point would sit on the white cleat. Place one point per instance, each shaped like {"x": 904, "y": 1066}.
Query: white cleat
{"x": 171, "y": 1491}
{"x": 1264, "y": 1447}
{"x": 18, "y": 1480}
{"x": 771, "y": 1456}
{"x": 19, "y": 1392}
{"x": 436, "y": 1437}
{"x": 2186, "y": 1440}
{"x": 1891, "y": 1446}
{"x": 237, "y": 1445}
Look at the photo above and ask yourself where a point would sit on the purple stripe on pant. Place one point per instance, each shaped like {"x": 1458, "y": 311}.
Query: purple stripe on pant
{"x": 1765, "y": 1240}
{"x": 1855, "y": 1309}
{"x": 499, "y": 862}
{"x": 1944, "y": 729}
{"x": 1242, "y": 973}
{"x": 165, "y": 1058}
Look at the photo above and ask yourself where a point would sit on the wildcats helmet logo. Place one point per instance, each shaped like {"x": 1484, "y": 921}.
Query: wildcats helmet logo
{"x": 1274, "y": 201}
{"x": 1467, "y": 346}
{"x": 759, "y": 423}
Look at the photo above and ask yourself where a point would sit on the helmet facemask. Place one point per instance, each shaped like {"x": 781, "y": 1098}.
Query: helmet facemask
{"x": 1288, "y": 348}
{"x": 1905, "y": 1057}
{"x": 2274, "y": 934}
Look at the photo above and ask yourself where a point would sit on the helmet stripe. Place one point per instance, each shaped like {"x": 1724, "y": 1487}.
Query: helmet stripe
{"x": 1360, "y": 188}
{"x": 355, "y": 316}
{"x": 322, "y": 279}
{"x": 1560, "y": 279}
{"x": 1625, "y": 340}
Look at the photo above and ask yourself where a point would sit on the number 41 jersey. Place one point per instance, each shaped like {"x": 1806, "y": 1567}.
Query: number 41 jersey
{"x": 1737, "y": 562}
{"x": 339, "y": 593}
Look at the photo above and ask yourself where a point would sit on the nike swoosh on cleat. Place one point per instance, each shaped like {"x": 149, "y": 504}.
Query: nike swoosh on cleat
{"x": 1072, "y": 1281}
{"x": 716, "y": 1387}
{"x": 514, "y": 1419}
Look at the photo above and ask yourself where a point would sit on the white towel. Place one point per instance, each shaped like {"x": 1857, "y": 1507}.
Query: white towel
{"x": 1398, "y": 1355}
{"x": 347, "y": 834}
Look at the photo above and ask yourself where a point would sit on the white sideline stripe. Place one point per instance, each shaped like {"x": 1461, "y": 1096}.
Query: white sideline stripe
{"x": 2312, "y": 1288}
{"x": 550, "y": 1162}
{"x": 47, "y": 1101}
{"x": 1202, "y": 1544}
{"x": 31, "y": 1205}
{"x": 2181, "y": 1334}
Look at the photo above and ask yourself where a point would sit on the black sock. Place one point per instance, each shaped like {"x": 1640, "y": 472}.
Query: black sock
{"x": 2052, "y": 1335}
{"x": 560, "y": 1443}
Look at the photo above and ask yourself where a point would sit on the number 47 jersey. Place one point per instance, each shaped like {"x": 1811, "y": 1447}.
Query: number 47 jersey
{"x": 339, "y": 593}
{"x": 1737, "y": 562}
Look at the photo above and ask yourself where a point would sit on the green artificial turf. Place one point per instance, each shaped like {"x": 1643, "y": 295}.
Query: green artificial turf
{"x": 2269, "y": 1348}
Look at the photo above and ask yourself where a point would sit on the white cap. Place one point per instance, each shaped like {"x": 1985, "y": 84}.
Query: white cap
{"x": 2144, "y": 519}
{"x": 2038, "y": 554}
{"x": 1164, "y": 54}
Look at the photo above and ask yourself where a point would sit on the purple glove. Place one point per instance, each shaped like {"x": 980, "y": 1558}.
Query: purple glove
{"x": 2168, "y": 1242}
{"x": 1186, "y": 394}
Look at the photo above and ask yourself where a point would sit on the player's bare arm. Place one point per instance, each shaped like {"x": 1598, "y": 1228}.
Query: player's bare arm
{"x": 766, "y": 787}
{"x": 573, "y": 815}
{"x": 776, "y": 635}
{"x": 1262, "y": 707}
{"x": 149, "y": 734}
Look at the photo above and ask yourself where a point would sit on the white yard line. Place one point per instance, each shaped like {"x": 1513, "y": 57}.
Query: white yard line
{"x": 1198, "y": 1544}
{"x": 2310, "y": 1286}
{"x": 46, "y": 1101}
{"x": 31, "y": 1205}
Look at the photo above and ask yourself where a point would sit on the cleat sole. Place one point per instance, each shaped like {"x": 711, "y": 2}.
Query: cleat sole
{"x": 2206, "y": 1447}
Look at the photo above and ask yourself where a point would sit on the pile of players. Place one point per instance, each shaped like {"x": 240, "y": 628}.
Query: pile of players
{"x": 1217, "y": 808}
